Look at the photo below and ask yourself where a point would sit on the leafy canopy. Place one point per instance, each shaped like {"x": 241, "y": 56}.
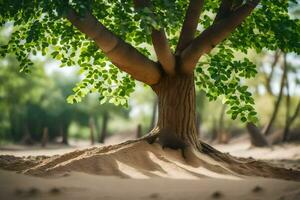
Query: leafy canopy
{"x": 39, "y": 25}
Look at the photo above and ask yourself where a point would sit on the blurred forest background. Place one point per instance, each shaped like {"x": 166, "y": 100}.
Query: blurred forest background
{"x": 34, "y": 109}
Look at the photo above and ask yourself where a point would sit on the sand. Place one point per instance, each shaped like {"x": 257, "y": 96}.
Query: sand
{"x": 139, "y": 170}
{"x": 85, "y": 186}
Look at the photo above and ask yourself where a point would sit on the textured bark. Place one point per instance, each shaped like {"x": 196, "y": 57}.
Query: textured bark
{"x": 176, "y": 111}
{"x": 256, "y": 137}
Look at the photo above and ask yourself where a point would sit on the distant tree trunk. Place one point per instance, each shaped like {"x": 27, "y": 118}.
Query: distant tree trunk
{"x": 214, "y": 130}
{"x": 198, "y": 123}
{"x": 64, "y": 135}
{"x": 104, "y": 127}
{"x": 223, "y": 137}
{"x": 277, "y": 103}
{"x": 45, "y": 137}
{"x": 139, "y": 131}
{"x": 270, "y": 76}
{"x": 289, "y": 122}
{"x": 92, "y": 130}
{"x": 256, "y": 137}
{"x": 27, "y": 136}
{"x": 153, "y": 117}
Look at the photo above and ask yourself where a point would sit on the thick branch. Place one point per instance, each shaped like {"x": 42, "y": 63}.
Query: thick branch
{"x": 163, "y": 51}
{"x": 123, "y": 55}
{"x": 190, "y": 24}
{"x": 213, "y": 35}
{"x": 160, "y": 43}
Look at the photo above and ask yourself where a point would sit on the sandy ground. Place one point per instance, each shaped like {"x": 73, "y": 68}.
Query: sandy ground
{"x": 146, "y": 172}
{"x": 88, "y": 187}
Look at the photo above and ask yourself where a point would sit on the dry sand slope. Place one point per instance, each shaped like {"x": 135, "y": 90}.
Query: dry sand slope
{"x": 208, "y": 175}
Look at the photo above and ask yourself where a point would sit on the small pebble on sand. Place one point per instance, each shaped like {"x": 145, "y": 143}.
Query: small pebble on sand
{"x": 257, "y": 189}
{"x": 216, "y": 195}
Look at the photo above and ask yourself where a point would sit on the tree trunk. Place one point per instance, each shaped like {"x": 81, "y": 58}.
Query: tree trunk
{"x": 64, "y": 135}
{"x": 104, "y": 128}
{"x": 176, "y": 112}
{"x": 198, "y": 123}
{"x": 92, "y": 130}
{"x": 139, "y": 131}
{"x": 153, "y": 118}
{"x": 256, "y": 137}
{"x": 223, "y": 137}
{"x": 289, "y": 123}
{"x": 45, "y": 137}
{"x": 267, "y": 130}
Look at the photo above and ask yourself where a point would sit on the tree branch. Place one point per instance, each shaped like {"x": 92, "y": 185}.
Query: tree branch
{"x": 163, "y": 51}
{"x": 213, "y": 35}
{"x": 160, "y": 43}
{"x": 270, "y": 76}
{"x": 190, "y": 24}
{"x": 224, "y": 10}
{"x": 122, "y": 54}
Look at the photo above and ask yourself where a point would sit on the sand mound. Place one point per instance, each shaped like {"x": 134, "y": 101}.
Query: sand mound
{"x": 142, "y": 160}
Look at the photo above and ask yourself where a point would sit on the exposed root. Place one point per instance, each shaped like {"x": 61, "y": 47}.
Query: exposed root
{"x": 249, "y": 166}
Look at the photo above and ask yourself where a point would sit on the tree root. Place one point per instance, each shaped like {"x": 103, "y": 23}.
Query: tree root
{"x": 246, "y": 166}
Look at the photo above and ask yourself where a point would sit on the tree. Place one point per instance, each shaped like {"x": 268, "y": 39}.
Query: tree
{"x": 125, "y": 30}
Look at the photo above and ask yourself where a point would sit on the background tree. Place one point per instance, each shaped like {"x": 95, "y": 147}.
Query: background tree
{"x": 111, "y": 25}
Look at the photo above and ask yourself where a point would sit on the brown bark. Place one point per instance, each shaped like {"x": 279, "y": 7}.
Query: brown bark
{"x": 163, "y": 51}
{"x": 190, "y": 24}
{"x": 256, "y": 137}
{"x": 122, "y": 54}
{"x": 213, "y": 35}
{"x": 278, "y": 101}
{"x": 176, "y": 111}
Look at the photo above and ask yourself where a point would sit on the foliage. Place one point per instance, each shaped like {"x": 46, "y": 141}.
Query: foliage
{"x": 40, "y": 26}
